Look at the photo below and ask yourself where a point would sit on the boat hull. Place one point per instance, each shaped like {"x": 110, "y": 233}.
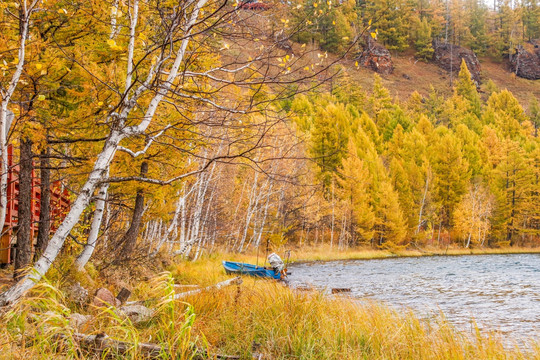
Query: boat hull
{"x": 232, "y": 267}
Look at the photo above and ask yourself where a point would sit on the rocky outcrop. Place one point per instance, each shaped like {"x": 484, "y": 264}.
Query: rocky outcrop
{"x": 526, "y": 64}
{"x": 376, "y": 57}
{"x": 449, "y": 57}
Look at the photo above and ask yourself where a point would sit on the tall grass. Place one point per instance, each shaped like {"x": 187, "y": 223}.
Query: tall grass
{"x": 259, "y": 315}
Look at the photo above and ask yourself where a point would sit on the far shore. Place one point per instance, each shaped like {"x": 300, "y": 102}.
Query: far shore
{"x": 327, "y": 253}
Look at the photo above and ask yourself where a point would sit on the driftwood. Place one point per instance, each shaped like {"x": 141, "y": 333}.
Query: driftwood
{"x": 340, "y": 290}
{"x": 234, "y": 281}
{"x": 182, "y": 286}
{"x": 101, "y": 343}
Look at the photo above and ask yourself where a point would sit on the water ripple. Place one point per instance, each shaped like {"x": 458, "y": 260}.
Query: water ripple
{"x": 501, "y": 292}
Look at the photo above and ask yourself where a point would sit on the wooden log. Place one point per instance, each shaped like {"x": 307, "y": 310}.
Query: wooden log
{"x": 101, "y": 343}
{"x": 187, "y": 286}
{"x": 234, "y": 281}
{"x": 340, "y": 290}
{"x": 123, "y": 295}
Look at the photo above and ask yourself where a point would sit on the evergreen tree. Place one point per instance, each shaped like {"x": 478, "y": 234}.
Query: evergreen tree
{"x": 534, "y": 111}
{"x": 466, "y": 87}
{"x": 390, "y": 227}
{"x": 392, "y": 20}
{"x": 329, "y": 141}
{"x": 354, "y": 183}
{"x": 512, "y": 185}
{"x": 422, "y": 42}
{"x": 531, "y": 19}
{"x": 450, "y": 173}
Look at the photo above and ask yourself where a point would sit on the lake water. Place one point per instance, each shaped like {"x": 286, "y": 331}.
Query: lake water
{"x": 501, "y": 292}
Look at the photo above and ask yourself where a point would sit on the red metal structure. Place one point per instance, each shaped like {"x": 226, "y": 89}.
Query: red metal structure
{"x": 59, "y": 206}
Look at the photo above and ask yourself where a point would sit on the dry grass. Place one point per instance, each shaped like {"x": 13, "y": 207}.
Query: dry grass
{"x": 282, "y": 323}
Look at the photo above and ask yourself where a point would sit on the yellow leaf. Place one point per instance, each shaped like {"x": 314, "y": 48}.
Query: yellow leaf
{"x": 15, "y": 60}
{"x": 315, "y": 4}
{"x": 111, "y": 42}
{"x": 356, "y": 64}
{"x": 303, "y": 45}
{"x": 345, "y": 38}
{"x": 41, "y": 97}
{"x": 369, "y": 22}
{"x": 100, "y": 103}
{"x": 43, "y": 72}
{"x": 306, "y": 68}
{"x": 39, "y": 66}
{"x": 373, "y": 35}
{"x": 333, "y": 23}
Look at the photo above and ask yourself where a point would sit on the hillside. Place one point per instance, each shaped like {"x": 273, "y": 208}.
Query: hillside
{"x": 410, "y": 74}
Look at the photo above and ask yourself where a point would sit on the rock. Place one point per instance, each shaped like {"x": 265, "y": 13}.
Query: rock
{"x": 136, "y": 313}
{"x": 376, "y": 57}
{"x": 405, "y": 76}
{"x": 526, "y": 64}
{"x": 449, "y": 57}
{"x": 105, "y": 298}
{"x": 77, "y": 321}
{"x": 77, "y": 293}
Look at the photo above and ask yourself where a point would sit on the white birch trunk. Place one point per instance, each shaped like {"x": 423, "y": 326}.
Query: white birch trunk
{"x": 90, "y": 246}
{"x": 6, "y": 98}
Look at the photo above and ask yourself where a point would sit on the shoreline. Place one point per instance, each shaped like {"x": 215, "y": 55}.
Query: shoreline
{"x": 323, "y": 254}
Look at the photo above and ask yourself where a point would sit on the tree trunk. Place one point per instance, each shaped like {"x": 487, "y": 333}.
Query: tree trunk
{"x": 44, "y": 227}
{"x": 90, "y": 246}
{"x": 103, "y": 160}
{"x": 24, "y": 223}
{"x": 130, "y": 237}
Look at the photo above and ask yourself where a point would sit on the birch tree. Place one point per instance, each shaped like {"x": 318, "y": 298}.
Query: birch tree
{"x": 15, "y": 17}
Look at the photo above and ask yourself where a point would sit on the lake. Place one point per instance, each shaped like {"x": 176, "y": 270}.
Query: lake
{"x": 501, "y": 292}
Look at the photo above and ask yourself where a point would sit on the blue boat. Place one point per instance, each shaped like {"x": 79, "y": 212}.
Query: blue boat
{"x": 232, "y": 267}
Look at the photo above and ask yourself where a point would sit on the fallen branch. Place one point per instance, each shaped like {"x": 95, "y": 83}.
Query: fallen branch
{"x": 101, "y": 343}
{"x": 234, "y": 281}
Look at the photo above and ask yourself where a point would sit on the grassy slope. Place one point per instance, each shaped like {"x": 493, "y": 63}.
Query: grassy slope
{"x": 422, "y": 75}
